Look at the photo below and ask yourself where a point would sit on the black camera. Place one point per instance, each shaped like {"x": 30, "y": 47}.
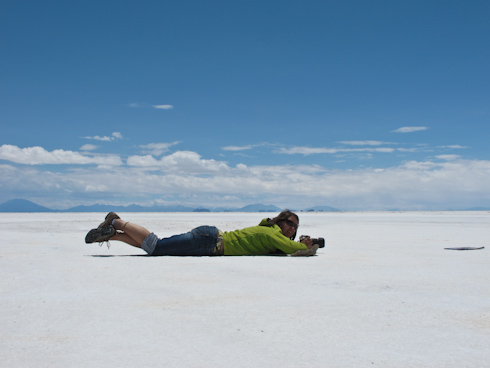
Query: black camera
{"x": 319, "y": 241}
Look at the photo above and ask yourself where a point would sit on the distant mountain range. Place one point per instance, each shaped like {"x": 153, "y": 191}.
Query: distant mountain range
{"x": 22, "y": 205}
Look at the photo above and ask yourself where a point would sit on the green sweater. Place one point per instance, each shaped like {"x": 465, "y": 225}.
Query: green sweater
{"x": 258, "y": 240}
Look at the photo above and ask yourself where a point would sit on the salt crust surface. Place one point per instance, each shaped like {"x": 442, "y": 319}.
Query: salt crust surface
{"x": 382, "y": 293}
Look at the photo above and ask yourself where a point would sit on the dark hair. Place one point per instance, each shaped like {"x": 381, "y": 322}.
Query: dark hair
{"x": 283, "y": 216}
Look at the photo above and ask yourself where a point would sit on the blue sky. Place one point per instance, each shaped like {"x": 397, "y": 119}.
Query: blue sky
{"x": 359, "y": 105}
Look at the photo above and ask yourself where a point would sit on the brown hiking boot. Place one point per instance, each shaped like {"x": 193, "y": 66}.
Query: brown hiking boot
{"x": 100, "y": 235}
{"x": 108, "y": 219}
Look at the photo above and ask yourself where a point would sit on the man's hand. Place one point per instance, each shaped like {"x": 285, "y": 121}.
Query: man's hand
{"x": 305, "y": 253}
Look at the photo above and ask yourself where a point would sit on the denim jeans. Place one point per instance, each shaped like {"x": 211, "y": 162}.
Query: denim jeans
{"x": 200, "y": 241}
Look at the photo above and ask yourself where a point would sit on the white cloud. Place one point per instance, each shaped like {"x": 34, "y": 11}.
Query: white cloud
{"x": 179, "y": 162}
{"x": 99, "y": 138}
{"x": 157, "y": 149}
{"x": 142, "y": 161}
{"x": 88, "y": 147}
{"x": 39, "y": 156}
{"x": 409, "y": 129}
{"x": 318, "y": 150}
{"x": 364, "y": 143}
{"x": 454, "y": 146}
{"x": 138, "y": 105}
{"x": 446, "y": 181}
{"x": 96, "y": 188}
{"x": 408, "y": 149}
{"x": 414, "y": 185}
{"x": 448, "y": 157}
{"x": 237, "y": 148}
{"x": 113, "y": 137}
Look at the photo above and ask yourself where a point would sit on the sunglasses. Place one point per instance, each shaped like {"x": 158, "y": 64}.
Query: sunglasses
{"x": 292, "y": 224}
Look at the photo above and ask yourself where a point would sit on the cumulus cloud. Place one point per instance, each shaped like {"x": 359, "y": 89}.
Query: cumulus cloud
{"x": 410, "y": 129}
{"x": 179, "y": 162}
{"x": 444, "y": 180}
{"x": 157, "y": 149}
{"x": 413, "y": 185}
{"x": 40, "y": 156}
{"x": 113, "y": 137}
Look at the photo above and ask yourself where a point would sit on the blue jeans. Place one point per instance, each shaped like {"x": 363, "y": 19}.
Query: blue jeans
{"x": 200, "y": 241}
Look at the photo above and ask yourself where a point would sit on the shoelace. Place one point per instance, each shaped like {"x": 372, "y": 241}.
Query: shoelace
{"x": 105, "y": 241}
